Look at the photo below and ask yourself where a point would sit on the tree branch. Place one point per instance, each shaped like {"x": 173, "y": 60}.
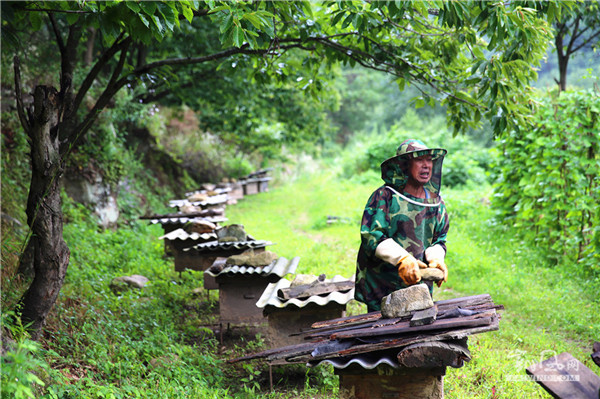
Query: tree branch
{"x": 573, "y": 36}
{"x": 98, "y": 66}
{"x": 20, "y": 109}
{"x": 59, "y": 40}
{"x": 586, "y": 42}
{"x": 119, "y": 67}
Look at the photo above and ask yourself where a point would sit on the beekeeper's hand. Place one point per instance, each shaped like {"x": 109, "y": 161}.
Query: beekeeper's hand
{"x": 435, "y": 256}
{"x": 408, "y": 269}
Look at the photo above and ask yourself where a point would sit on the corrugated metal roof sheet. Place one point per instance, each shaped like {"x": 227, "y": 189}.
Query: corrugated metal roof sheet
{"x": 279, "y": 267}
{"x": 183, "y": 220}
{"x": 270, "y": 298}
{"x": 224, "y": 246}
{"x": 181, "y": 234}
{"x": 213, "y": 200}
{"x": 218, "y": 190}
{"x": 368, "y": 361}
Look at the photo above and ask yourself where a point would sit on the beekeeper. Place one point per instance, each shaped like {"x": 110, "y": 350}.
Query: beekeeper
{"x": 404, "y": 225}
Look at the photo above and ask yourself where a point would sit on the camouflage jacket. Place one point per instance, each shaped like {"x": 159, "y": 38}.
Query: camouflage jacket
{"x": 389, "y": 214}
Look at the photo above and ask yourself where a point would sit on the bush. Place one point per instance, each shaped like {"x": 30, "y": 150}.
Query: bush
{"x": 548, "y": 179}
{"x": 20, "y": 363}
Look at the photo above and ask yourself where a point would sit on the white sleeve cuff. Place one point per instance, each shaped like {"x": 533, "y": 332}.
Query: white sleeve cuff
{"x": 435, "y": 252}
{"x": 390, "y": 251}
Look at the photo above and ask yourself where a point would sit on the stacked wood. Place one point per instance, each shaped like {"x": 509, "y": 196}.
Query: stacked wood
{"x": 349, "y": 336}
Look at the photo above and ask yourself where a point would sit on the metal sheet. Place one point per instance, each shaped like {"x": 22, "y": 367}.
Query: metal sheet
{"x": 279, "y": 267}
{"x": 213, "y": 200}
{"x": 183, "y": 220}
{"x": 367, "y": 361}
{"x": 270, "y": 298}
{"x": 218, "y": 190}
{"x": 182, "y": 235}
{"x": 224, "y": 246}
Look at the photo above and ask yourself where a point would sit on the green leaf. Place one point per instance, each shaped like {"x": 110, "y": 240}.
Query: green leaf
{"x": 253, "y": 19}
{"x": 36, "y": 20}
{"x": 72, "y": 18}
{"x": 149, "y": 7}
{"x": 144, "y": 20}
{"x": 238, "y": 36}
{"x": 227, "y": 23}
{"x": 188, "y": 13}
{"x": 133, "y": 6}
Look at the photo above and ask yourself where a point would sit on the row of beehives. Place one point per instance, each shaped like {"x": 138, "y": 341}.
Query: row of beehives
{"x": 249, "y": 291}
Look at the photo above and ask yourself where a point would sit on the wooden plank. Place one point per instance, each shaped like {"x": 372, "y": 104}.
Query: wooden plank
{"x": 404, "y": 327}
{"x": 308, "y": 290}
{"x": 348, "y": 320}
{"x": 565, "y": 377}
{"x": 299, "y": 348}
{"x": 463, "y": 302}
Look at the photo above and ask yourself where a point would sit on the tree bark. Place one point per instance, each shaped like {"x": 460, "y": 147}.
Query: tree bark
{"x": 563, "y": 60}
{"x": 44, "y": 212}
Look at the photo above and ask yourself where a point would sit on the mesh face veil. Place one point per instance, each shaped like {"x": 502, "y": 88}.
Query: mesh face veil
{"x": 394, "y": 171}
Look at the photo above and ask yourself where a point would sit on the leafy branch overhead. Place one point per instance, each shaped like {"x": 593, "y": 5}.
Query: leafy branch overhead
{"x": 475, "y": 57}
{"x": 461, "y": 51}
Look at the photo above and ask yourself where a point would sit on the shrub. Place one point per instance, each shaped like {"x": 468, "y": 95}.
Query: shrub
{"x": 20, "y": 363}
{"x": 548, "y": 179}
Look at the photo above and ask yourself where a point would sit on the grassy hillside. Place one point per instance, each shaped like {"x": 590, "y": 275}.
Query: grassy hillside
{"x": 158, "y": 342}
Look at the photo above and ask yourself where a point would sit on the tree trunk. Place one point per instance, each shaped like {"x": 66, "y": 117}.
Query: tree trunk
{"x": 44, "y": 212}
{"x": 563, "y": 61}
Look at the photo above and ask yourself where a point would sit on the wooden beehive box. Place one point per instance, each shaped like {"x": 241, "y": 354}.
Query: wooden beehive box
{"x": 292, "y": 309}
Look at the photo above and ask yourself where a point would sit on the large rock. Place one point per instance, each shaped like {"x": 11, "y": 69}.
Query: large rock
{"x": 96, "y": 192}
{"x": 406, "y": 300}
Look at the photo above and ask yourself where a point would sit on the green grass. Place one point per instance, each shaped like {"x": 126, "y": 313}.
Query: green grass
{"x": 155, "y": 343}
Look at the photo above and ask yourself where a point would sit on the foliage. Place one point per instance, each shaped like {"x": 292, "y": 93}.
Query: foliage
{"x": 21, "y": 363}
{"x": 467, "y": 161}
{"x": 465, "y": 42}
{"x": 548, "y": 181}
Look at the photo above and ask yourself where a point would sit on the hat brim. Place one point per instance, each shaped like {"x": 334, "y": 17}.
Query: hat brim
{"x": 434, "y": 152}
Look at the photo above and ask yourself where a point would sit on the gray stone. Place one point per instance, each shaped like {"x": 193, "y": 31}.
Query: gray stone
{"x": 431, "y": 274}
{"x": 121, "y": 284}
{"x": 232, "y": 232}
{"x": 250, "y": 258}
{"x": 402, "y": 302}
